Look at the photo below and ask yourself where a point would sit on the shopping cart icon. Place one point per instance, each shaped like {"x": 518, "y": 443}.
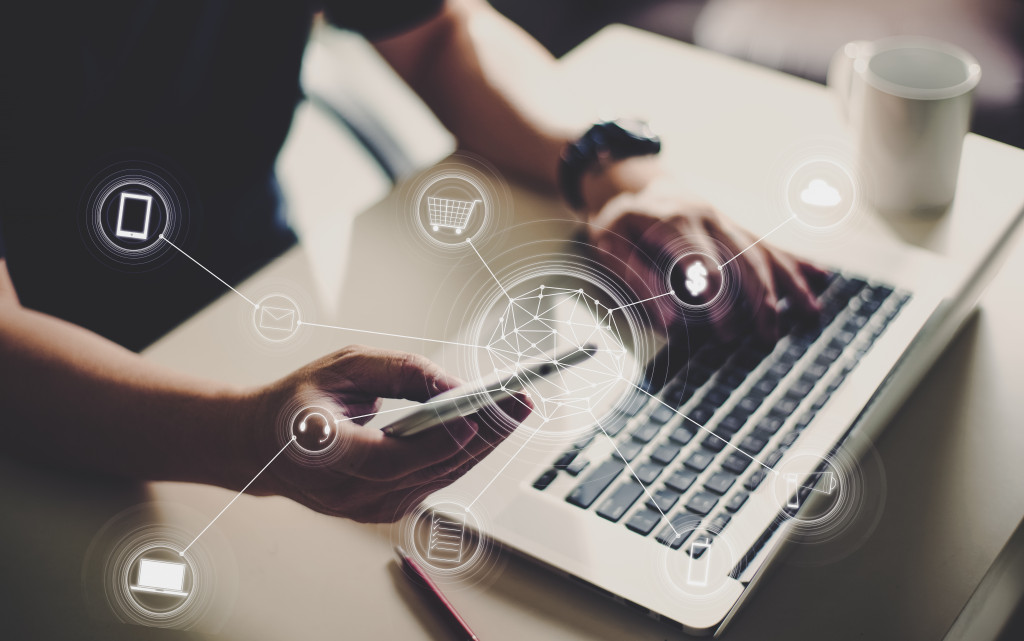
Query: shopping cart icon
{"x": 450, "y": 214}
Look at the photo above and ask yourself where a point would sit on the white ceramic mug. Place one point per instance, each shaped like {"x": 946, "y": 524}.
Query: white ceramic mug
{"x": 908, "y": 100}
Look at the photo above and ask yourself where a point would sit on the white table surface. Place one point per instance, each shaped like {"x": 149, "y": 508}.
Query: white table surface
{"x": 950, "y": 459}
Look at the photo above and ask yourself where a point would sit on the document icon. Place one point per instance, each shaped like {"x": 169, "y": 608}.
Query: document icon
{"x": 278, "y": 318}
{"x": 447, "y": 532}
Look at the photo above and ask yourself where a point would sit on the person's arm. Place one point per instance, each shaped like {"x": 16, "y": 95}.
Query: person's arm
{"x": 497, "y": 90}
{"x": 72, "y": 399}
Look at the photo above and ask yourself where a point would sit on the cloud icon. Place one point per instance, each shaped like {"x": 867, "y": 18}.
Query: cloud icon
{"x": 820, "y": 194}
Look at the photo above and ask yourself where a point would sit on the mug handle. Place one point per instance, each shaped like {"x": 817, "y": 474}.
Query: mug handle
{"x": 840, "y": 71}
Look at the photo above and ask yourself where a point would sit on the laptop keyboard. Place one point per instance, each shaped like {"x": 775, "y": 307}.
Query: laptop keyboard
{"x": 753, "y": 403}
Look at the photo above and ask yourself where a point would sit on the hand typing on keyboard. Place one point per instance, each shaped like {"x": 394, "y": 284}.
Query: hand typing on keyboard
{"x": 643, "y": 233}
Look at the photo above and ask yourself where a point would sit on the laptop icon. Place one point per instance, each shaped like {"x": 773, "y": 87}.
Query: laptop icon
{"x": 161, "y": 577}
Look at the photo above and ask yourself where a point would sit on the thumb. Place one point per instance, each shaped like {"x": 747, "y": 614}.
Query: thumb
{"x": 393, "y": 374}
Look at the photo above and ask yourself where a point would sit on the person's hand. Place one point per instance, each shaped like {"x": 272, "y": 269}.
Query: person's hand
{"x": 641, "y": 231}
{"x": 373, "y": 478}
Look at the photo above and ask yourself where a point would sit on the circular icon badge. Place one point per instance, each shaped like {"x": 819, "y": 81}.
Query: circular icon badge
{"x": 160, "y": 580}
{"x": 314, "y": 429}
{"x": 452, "y": 208}
{"x": 134, "y": 214}
{"x": 443, "y": 537}
{"x": 277, "y": 317}
{"x": 821, "y": 193}
{"x": 696, "y": 280}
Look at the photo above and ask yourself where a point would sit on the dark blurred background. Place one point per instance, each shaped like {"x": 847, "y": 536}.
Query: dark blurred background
{"x": 800, "y": 36}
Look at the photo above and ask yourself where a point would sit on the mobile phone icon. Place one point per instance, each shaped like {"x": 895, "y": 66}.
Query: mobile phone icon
{"x": 697, "y": 572}
{"x": 133, "y": 215}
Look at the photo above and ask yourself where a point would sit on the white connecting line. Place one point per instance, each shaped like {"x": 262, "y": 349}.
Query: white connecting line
{"x": 774, "y": 229}
{"x": 301, "y": 322}
{"x": 240, "y": 493}
{"x": 183, "y": 253}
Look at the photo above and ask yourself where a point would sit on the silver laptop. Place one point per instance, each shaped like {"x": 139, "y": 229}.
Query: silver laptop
{"x": 679, "y": 501}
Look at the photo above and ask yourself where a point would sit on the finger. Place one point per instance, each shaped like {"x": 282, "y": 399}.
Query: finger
{"x": 390, "y": 373}
{"x": 370, "y": 454}
{"x": 756, "y": 278}
{"x": 488, "y": 437}
{"x": 793, "y": 284}
{"x": 816, "y": 276}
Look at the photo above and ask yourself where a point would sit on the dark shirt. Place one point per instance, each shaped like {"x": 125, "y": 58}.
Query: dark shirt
{"x": 205, "y": 90}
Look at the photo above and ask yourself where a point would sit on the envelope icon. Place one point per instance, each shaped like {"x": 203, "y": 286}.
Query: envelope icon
{"x": 278, "y": 318}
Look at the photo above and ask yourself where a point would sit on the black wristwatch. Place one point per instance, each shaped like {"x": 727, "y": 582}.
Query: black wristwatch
{"x": 604, "y": 142}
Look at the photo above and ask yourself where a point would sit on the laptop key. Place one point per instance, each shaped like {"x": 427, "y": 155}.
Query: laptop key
{"x": 785, "y": 406}
{"x": 577, "y": 466}
{"x": 665, "y": 453}
{"x": 644, "y": 521}
{"x": 736, "y": 501}
{"x": 596, "y": 482}
{"x": 565, "y": 459}
{"x": 713, "y": 443}
{"x": 699, "y": 460}
{"x": 750, "y": 403}
{"x": 615, "y": 424}
{"x": 766, "y": 385}
{"x": 647, "y": 472}
{"x": 701, "y": 503}
{"x": 770, "y": 424}
{"x": 613, "y": 507}
{"x": 663, "y": 499}
{"x": 719, "y": 522}
{"x": 646, "y": 432}
{"x": 736, "y": 463}
{"x": 683, "y": 525}
{"x": 628, "y": 450}
{"x": 545, "y": 479}
{"x": 701, "y": 414}
{"x": 699, "y": 546}
{"x": 720, "y": 482}
{"x": 752, "y": 444}
{"x": 662, "y": 414}
{"x": 716, "y": 396}
{"x": 731, "y": 423}
{"x": 681, "y": 481}
{"x": 681, "y": 435}
{"x": 754, "y": 479}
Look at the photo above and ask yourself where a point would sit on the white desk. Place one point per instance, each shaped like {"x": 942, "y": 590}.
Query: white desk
{"x": 950, "y": 460}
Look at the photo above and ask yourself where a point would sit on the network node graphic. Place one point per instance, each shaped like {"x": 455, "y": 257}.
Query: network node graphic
{"x": 696, "y": 279}
{"x": 276, "y": 317}
{"x": 160, "y": 580}
{"x": 544, "y": 321}
{"x": 314, "y": 429}
{"x": 821, "y": 193}
{"x": 127, "y": 212}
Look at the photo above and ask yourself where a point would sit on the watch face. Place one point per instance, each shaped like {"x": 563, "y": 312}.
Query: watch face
{"x": 631, "y": 138}
{"x": 635, "y": 128}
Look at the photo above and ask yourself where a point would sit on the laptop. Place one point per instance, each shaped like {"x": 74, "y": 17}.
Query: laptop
{"x": 161, "y": 577}
{"x": 679, "y": 503}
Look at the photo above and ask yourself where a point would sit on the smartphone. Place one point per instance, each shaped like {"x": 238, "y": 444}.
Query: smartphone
{"x": 472, "y": 397}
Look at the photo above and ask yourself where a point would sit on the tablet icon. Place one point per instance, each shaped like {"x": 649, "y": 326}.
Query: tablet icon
{"x": 447, "y": 533}
{"x": 277, "y": 318}
{"x": 161, "y": 577}
{"x": 133, "y": 214}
